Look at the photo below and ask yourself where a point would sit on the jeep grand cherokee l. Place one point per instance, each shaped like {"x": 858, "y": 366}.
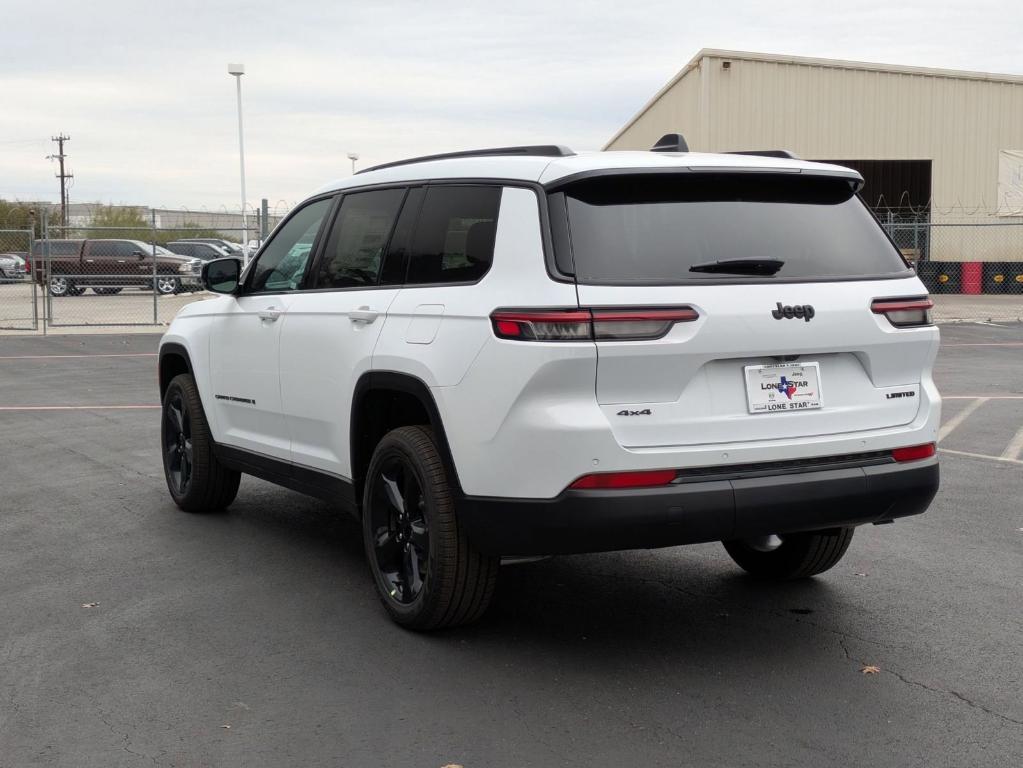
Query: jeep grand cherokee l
{"x": 528, "y": 352}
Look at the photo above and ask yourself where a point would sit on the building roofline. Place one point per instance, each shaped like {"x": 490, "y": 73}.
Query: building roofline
{"x": 774, "y": 58}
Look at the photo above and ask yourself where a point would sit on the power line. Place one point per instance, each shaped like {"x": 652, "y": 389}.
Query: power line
{"x": 64, "y": 177}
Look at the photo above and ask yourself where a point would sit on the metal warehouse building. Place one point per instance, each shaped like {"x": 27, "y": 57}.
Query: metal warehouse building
{"x": 941, "y": 151}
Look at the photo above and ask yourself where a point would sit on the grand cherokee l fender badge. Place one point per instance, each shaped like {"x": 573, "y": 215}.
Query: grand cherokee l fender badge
{"x": 804, "y": 311}
{"x": 233, "y": 399}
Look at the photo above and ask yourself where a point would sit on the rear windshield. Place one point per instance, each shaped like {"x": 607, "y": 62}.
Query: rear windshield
{"x": 653, "y": 228}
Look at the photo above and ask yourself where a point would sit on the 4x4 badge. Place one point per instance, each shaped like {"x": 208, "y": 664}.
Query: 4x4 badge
{"x": 644, "y": 412}
{"x": 804, "y": 311}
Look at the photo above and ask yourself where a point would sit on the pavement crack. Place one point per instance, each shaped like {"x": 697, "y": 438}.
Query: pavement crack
{"x": 842, "y": 637}
{"x": 943, "y": 691}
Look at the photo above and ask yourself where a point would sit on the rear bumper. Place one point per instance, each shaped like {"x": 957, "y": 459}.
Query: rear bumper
{"x": 706, "y": 510}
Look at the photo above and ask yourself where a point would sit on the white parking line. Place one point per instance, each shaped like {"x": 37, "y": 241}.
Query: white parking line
{"x": 981, "y": 456}
{"x": 985, "y": 397}
{"x": 1015, "y": 446}
{"x": 960, "y": 417}
{"x": 985, "y": 344}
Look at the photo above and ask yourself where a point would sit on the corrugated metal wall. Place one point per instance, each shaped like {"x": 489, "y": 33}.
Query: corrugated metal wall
{"x": 821, "y": 111}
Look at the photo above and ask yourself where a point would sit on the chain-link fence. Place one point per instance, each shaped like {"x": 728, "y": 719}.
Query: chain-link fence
{"x": 971, "y": 265}
{"x": 114, "y": 266}
{"x": 124, "y": 275}
{"x": 106, "y": 272}
{"x": 18, "y": 305}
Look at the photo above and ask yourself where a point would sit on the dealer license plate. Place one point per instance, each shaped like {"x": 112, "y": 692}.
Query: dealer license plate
{"x": 783, "y": 387}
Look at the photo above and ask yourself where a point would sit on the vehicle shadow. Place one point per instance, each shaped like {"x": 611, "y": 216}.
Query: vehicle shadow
{"x": 659, "y": 600}
{"x": 688, "y": 604}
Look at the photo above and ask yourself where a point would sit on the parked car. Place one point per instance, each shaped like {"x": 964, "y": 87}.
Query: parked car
{"x": 526, "y": 352}
{"x": 12, "y": 266}
{"x": 197, "y": 250}
{"x": 232, "y": 249}
{"x": 107, "y": 266}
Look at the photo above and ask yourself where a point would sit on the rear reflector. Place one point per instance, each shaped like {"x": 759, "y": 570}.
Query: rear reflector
{"x": 904, "y": 313}
{"x": 648, "y": 479}
{"x": 914, "y": 452}
{"x": 620, "y": 324}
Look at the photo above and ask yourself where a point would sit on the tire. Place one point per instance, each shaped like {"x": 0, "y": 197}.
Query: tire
{"x": 107, "y": 291}
{"x": 197, "y": 481}
{"x": 798, "y": 556}
{"x": 167, "y": 285}
{"x": 455, "y": 582}
{"x": 62, "y": 286}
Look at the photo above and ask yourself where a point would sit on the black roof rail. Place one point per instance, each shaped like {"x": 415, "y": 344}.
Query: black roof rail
{"x": 766, "y": 153}
{"x": 671, "y": 142}
{"x": 538, "y": 150}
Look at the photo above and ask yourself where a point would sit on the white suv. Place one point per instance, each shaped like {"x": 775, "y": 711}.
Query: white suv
{"x": 525, "y": 352}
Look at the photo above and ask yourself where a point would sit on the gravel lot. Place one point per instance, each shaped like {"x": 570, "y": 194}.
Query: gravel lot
{"x": 253, "y": 638}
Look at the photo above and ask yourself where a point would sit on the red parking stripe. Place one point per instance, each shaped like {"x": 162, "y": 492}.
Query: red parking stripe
{"x": 65, "y": 357}
{"x": 76, "y": 407}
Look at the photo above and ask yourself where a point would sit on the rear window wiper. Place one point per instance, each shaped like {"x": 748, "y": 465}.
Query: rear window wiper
{"x": 740, "y": 266}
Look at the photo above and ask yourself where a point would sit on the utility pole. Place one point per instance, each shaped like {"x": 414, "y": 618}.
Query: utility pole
{"x": 64, "y": 177}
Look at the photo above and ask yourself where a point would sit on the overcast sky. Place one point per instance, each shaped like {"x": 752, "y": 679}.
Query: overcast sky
{"x": 142, "y": 87}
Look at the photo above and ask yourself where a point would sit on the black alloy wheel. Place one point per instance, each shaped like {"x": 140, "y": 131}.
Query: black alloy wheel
{"x": 177, "y": 443}
{"x": 196, "y": 479}
{"x": 427, "y": 572}
{"x": 401, "y": 533}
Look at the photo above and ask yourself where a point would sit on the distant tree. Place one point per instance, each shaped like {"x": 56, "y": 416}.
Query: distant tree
{"x": 118, "y": 222}
{"x": 15, "y": 214}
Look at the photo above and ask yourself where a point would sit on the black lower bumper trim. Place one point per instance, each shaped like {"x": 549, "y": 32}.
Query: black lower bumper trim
{"x": 714, "y": 510}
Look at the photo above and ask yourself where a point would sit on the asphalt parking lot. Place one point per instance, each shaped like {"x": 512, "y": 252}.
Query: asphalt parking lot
{"x": 132, "y": 633}
{"x": 132, "y": 306}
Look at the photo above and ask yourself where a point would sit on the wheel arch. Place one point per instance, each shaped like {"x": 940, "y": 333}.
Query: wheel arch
{"x": 386, "y": 400}
{"x": 173, "y": 361}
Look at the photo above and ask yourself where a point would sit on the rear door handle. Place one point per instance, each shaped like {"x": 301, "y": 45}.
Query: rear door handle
{"x": 271, "y": 314}
{"x": 363, "y": 315}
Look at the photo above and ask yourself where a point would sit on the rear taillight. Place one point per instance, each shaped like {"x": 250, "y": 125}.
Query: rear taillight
{"x": 608, "y": 480}
{"x": 548, "y": 325}
{"x": 623, "y": 324}
{"x": 914, "y": 452}
{"x": 904, "y": 313}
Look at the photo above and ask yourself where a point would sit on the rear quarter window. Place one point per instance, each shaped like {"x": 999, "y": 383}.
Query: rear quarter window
{"x": 651, "y": 229}
{"x": 454, "y": 236}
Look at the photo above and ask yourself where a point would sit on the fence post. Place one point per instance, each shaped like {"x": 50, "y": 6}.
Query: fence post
{"x": 32, "y": 276}
{"x": 44, "y": 273}
{"x": 156, "y": 315}
{"x": 264, "y": 219}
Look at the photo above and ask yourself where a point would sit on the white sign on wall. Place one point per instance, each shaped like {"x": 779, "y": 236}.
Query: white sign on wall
{"x": 1010, "y": 182}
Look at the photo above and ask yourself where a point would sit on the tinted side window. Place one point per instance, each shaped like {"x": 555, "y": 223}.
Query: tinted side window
{"x": 355, "y": 249}
{"x": 111, "y": 249}
{"x": 125, "y": 249}
{"x": 59, "y": 247}
{"x": 454, "y": 239}
{"x": 281, "y": 264}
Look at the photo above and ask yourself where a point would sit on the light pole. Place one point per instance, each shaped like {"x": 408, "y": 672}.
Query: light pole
{"x": 353, "y": 156}
{"x": 237, "y": 70}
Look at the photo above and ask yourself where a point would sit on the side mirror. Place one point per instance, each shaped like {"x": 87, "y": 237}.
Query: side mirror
{"x": 140, "y": 254}
{"x": 221, "y": 275}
